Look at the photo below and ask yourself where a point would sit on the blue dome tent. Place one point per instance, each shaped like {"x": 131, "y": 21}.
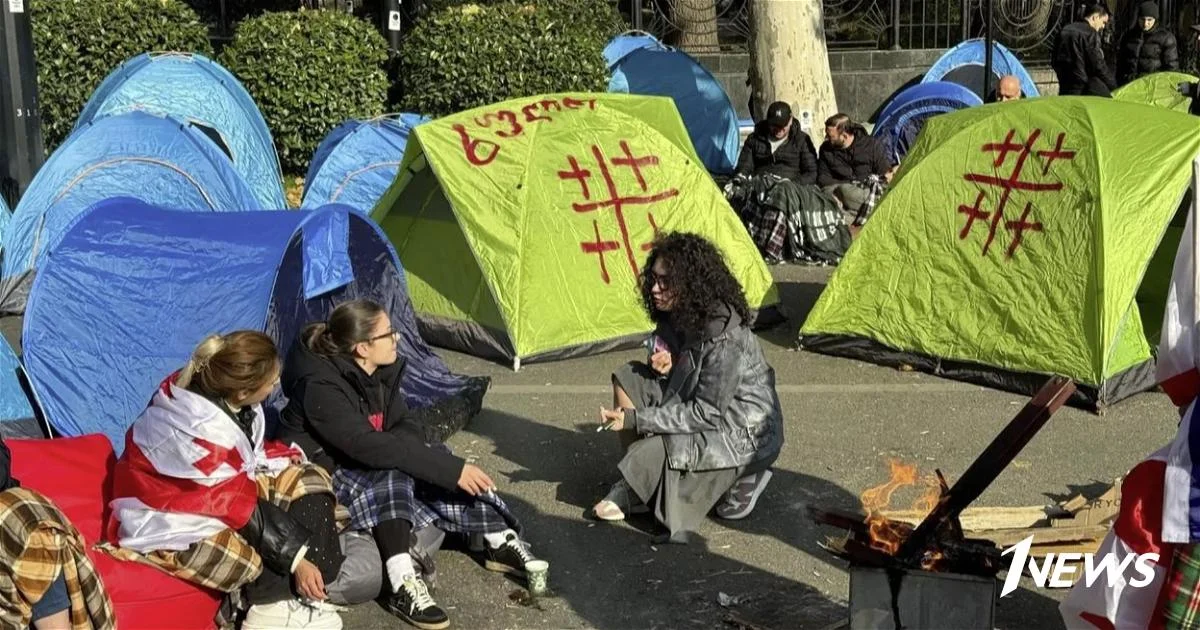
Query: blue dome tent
{"x": 16, "y": 414}
{"x": 902, "y": 119}
{"x": 138, "y": 284}
{"x": 158, "y": 160}
{"x": 194, "y": 88}
{"x": 963, "y": 65}
{"x": 356, "y": 163}
{"x": 709, "y": 116}
{"x": 5, "y": 217}
{"x": 626, "y": 43}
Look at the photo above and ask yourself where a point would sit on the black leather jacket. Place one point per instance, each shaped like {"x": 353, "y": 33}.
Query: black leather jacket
{"x": 276, "y": 536}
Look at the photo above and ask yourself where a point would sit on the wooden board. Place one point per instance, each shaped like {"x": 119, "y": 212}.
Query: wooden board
{"x": 988, "y": 518}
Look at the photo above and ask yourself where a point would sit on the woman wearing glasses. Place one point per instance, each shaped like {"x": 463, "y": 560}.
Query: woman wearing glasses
{"x": 701, "y": 420}
{"x": 347, "y": 411}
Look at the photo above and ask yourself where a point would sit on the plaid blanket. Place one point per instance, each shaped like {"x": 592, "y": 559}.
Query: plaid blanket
{"x": 39, "y": 544}
{"x": 225, "y": 562}
{"x": 1181, "y": 599}
{"x": 792, "y": 222}
{"x": 375, "y": 496}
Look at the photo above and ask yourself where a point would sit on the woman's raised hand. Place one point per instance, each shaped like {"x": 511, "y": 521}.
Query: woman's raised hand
{"x": 474, "y": 481}
{"x": 661, "y": 362}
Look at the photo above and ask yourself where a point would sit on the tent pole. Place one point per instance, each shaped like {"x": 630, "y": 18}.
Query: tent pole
{"x": 1192, "y": 317}
{"x": 22, "y": 152}
{"x": 987, "y": 54}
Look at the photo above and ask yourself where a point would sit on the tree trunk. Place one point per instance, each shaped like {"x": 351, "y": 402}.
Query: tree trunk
{"x": 697, "y": 23}
{"x": 789, "y": 61}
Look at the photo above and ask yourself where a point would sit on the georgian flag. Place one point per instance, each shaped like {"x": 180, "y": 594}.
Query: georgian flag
{"x": 187, "y": 473}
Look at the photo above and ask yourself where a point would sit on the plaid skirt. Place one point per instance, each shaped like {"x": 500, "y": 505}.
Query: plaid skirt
{"x": 375, "y": 496}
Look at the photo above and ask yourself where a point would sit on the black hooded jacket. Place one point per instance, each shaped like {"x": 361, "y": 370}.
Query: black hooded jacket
{"x": 795, "y": 159}
{"x": 1146, "y": 52}
{"x": 331, "y": 404}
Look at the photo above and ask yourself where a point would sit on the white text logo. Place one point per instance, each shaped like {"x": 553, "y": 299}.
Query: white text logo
{"x": 1056, "y": 572}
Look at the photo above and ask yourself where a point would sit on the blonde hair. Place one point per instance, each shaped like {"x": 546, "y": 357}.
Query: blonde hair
{"x": 223, "y": 366}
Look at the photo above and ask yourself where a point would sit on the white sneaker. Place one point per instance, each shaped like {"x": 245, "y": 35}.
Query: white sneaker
{"x": 292, "y": 613}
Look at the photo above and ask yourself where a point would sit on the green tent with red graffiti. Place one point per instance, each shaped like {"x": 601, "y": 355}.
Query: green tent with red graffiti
{"x": 523, "y": 225}
{"x": 1021, "y": 240}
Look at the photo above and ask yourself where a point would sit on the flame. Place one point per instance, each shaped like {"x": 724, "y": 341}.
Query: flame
{"x": 886, "y": 534}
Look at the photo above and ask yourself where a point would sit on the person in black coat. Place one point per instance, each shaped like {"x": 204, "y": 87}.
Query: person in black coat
{"x": 347, "y": 410}
{"x": 1078, "y": 59}
{"x": 1146, "y": 48}
{"x": 780, "y": 147}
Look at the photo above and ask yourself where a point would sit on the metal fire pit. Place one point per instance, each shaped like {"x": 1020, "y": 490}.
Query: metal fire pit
{"x": 923, "y": 600}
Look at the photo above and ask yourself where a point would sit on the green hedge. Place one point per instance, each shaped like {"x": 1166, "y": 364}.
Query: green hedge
{"x": 309, "y": 71}
{"x": 79, "y": 42}
{"x": 464, "y": 55}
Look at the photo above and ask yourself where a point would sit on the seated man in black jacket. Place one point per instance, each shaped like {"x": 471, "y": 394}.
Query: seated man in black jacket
{"x": 780, "y": 147}
{"x": 852, "y": 164}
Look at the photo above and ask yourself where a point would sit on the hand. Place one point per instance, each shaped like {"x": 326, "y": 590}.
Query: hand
{"x": 309, "y": 581}
{"x": 612, "y": 419}
{"x": 474, "y": 481}
{"x": 661, "y": 362}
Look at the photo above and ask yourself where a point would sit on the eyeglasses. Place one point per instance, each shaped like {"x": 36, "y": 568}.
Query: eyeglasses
{"x": 394, "y": 334}
{"x": 656, "y": 279}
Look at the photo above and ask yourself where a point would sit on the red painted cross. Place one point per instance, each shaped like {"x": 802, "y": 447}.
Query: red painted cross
{"x": 216, "y": 456}
{"x": 635, "y": 163}
{"x": 1009, "y": 184}
{"x": 618, "y": 202}
{"x": 654, "y": 226}
{"x": 598, "y": 247}
{"x": 1055, "y": 154}
{"x": 973, "y": 213}
{"x": 1019, "y": 227}
{"x": 1003, "y": 148}
{"x": 579, "y": 174}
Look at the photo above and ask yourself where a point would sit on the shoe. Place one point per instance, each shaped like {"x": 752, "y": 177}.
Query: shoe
{"x": 510, "y": 558}
{"x": 621, "y": 499}
{"x": 740, "y": 499}
{"x": 292, "y": 613}
{"x": 415, "y": 606}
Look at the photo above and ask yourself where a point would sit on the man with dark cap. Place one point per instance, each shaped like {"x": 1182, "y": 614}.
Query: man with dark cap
{"x": 1078, "y": 58}
{"x": 1146, "y": 48}
{"x": 778, "y": 146}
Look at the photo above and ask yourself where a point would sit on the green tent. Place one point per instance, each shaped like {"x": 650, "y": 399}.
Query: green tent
{"x": 1013, "y": 245}
{"x": 523, "y": 225}
{"x": 1160, "y": 88}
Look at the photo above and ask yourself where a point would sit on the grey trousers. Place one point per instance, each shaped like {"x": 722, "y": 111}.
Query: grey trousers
{"x": 852, "y": 197}
{"x": 361, "y": 577}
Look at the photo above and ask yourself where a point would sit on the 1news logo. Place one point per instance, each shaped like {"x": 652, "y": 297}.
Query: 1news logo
{"x": 1055, "y": 571}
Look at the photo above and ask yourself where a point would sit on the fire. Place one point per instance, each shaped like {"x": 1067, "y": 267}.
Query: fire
{"x": 886, "y": 534}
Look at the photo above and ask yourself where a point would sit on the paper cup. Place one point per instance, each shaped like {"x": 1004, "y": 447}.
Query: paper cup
{"x": 535, "y": 574}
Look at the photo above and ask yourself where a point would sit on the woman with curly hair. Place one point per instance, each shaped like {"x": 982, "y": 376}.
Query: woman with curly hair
{"x": 702, "y": 418}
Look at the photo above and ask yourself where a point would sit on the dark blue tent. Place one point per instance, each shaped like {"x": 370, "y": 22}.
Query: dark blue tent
{"x": 5, "y": 217}
{"x": 16, "y": 414}
{"x": 903, "y": 117}
{"x": 356, "y": 163}
{"x": 132, "y": 288}
{"x": 196, "y": 89}
{"x": 711, "y": 121}
{"x": 963, "y": 65}
{"x": 159, "y": 160}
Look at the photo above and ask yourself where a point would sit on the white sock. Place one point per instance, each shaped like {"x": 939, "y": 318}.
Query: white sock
{"x": 497, "y": 540}
{"x": 400, "y": 566}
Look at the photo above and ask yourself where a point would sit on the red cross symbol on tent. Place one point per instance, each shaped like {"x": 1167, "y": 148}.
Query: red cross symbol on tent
{"x": 599, "y": 245}
{"x": 1006, "y": 186}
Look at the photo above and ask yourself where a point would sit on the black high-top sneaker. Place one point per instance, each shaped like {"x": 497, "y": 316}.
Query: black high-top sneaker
{"x": 415, "y": 605}
{"x": 510, "y": 557}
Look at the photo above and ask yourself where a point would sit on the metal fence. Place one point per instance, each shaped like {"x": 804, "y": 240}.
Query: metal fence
{"x": 1027, "y": 27}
